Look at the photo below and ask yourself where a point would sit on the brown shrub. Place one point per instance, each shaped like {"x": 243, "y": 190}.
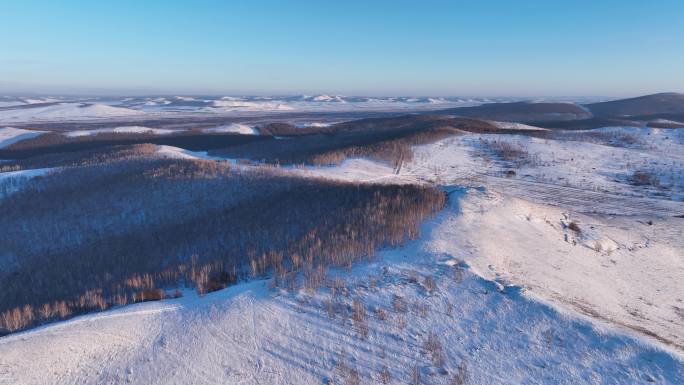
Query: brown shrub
{"x": 574, "y": 226}
{"x": 399, "y": 304}
{"x": 359, "y": 317}
{"x": 644, "y": 178}
{"x": 505, "y": 151}
{"x": 347, "y": 374}
{"x": 434, "y": 348}
{"x": 385, "y": 376}
{"x": 429, "y": 284}
{"x": 415, "y": 375}
{"x": 149, "y": 295}
{"x": 461, "y": 375}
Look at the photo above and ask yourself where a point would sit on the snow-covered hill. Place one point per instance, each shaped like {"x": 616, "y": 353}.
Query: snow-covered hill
{"x": 63, "y": 111}
{"x": 10, "y": 135}
{"x": 411, "y": 312}
{"x": 235, "y": 128}
{"x": 550, "y": 267}
{"x": 121, "y": 130}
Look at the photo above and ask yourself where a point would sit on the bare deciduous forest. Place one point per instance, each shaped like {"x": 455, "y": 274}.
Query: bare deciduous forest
{"x": 122, "y": 227}
{"x": 387, "y": 139}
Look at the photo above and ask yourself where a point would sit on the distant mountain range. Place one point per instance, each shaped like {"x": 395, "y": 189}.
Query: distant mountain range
{"x": 663, "y": 110}
{"x": 658, "y": 110}
{"x": 663, "y": 103}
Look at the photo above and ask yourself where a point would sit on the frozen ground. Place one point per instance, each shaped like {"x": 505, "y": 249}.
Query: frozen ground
{"x": 385, "y": 319}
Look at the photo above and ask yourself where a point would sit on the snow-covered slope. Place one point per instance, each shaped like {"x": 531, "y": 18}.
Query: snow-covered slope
{"x": 596, "y": 265}
{"x": 236, "y": 128}
{"x": 409, "y": 313}
{"x": 64, "y": 111}
{"x": 515, "y": 126}
{"x": 179, "y": 153}
{"x": 10, "y": 135}
{"x": 120, "y": 130}
{"x": 624, "y": 269}
{"x": 13, "y": 181}
{"x": 563, "y": 164}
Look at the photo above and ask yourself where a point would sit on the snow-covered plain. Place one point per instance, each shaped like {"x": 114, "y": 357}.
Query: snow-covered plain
{"x": 59, "y": 109}
{"x": 481, "y": 330}
{"x": 63, "y": 111}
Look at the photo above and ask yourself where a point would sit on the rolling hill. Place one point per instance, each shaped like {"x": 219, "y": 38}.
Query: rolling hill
{"x": 662, "y": 103}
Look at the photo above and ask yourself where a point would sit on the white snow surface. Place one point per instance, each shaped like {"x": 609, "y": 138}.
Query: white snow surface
{"x": 578, "y": 170}
{"x": 120, "y": 130}
{"x": 64, "y": 111}
{"x": 620, "y": 269}
{"x": 230, "y": 104}
{"x": 10, "y": 135}
{"x": 529, "y": 213}
{"x": 236, "y": 128}
{"x": 13, "y": 181}
{"x": 179, "y": 153}
{"x": 666, "y": 121}
{"x": 515, "y": 126}
{"x": 598, "y": 306}
{"x": 251, "y": 334}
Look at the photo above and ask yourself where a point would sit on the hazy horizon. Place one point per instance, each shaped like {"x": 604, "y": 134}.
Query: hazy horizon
{"x": 436, "y": 48}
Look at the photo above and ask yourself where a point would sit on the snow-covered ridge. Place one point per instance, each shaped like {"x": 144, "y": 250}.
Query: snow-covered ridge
{"x": 23, "y": 110}
{"x": 243, "y": 105}
{"x": 236, "y": 128}
{"x": 10, "y": 135}
{"x": 515, "y": 126}
{"x": 121, "y": 130}
{"x": 13, "y": 181}
{"x": 179, "y": 153}
{"x": 64, "y": 111}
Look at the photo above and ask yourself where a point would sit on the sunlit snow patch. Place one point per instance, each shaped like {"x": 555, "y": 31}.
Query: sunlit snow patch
{"x": 121, "y": 130}
{"x": 235, "y": 128}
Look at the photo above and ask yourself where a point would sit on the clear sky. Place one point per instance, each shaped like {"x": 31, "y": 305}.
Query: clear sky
{"x": 371, "y": 47}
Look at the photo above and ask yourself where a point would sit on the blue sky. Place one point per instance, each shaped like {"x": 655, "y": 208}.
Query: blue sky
{"x": 497, "y": 48}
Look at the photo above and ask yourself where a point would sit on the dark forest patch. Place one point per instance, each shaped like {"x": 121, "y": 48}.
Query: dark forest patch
{"x": 136, "y": 229}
